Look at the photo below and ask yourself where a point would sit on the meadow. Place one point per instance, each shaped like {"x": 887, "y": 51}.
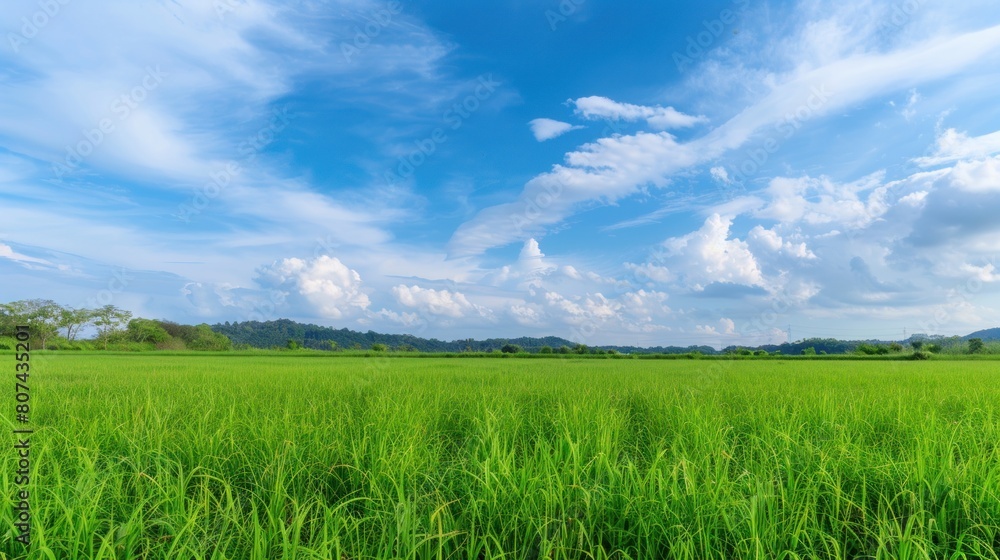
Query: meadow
{"x": 257, "y": 457}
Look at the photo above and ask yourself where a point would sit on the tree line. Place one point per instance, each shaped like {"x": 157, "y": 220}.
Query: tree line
{"x": 58, "y": 327}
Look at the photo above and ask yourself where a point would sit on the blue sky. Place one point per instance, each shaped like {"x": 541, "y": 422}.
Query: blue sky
{"x": 714, "y": 173}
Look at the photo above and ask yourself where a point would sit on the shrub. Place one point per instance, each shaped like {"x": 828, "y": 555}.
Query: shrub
{"x": 510, "y": 349}
{"x": 921, "y": 355}
{"x": 545, "y": 350}
{"x": 379, "y": 347}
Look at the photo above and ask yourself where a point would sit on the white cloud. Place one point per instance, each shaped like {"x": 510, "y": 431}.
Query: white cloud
{"x": 333, "y": 289}
{"x": 985, "y": 273}
{"x": 6, "y": 252}
{"x": 720, "y": 174}
{"x": 708, "y": 255}
{"x": 659, "y": 118}
{"x": 982, "y": 176}
{"x": 442, "y": 303}
{"x": 647, "y": 272}
{"x": 547, "y": 129}
{"x": 771, "y": 241}
{"x": 725, "y": 327}
{"x": 952, "y": 146}
{"x": 909, "y": 111}
{"x": 613, "y": 168}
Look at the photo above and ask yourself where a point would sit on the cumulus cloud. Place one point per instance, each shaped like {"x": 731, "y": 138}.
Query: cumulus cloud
{"x": 547, "y": 129}
{"x": 659, "y": 118}
{"x": 725, "y": 327}
{"x": 708, "y": 255}
{"x": 333, "y": 289}
{"x": 443, "y": 303}
{"x": 771, "y": 241}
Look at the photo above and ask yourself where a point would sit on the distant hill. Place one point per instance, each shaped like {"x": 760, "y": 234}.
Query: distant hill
{"x": 988, "y": 334}
{"x": 269, "y": 334}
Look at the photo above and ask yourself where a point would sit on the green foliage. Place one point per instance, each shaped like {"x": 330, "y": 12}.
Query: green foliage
{"x": 809, "y": 351}
{"x": 564, "y": 349}
{"x": 580, "y": 349}
{"x": 147, "y": 330}
{"x": 917, "y": 344}
{"x": 976, "y": 345}
{"x": 41, "y": 315}
{"x": 110, "y": 321}
{"x": 545, "y": 350}
{"x": 379, "y": 347}
{"x": 896, "y": 347}
{"x": 510, "y": 349}
{"x": 292, "y": 345}
{"x": 934, "y": 348}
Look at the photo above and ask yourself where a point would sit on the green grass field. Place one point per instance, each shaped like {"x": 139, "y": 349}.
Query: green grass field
{"x": 151, "y": 456}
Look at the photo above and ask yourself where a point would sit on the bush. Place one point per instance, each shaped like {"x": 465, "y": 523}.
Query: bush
{"x": 921, "y": 355}
{"x": 510, "y": 349}
{"x": 545, "y": 350}
{"x": 379, "y": 347}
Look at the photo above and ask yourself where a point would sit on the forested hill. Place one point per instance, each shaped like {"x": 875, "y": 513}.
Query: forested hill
{"x": 272, "y": 334}
{"x": 988, "y": 334}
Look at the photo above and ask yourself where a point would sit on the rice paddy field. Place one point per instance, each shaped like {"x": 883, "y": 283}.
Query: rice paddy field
{"x": 260, "y": 457}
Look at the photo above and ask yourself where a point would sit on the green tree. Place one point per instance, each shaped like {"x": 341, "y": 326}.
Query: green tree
{"x": 917, "y": 344}
{"x": 333, "y": 346}
{"x": 110, "y": 321}
{"x": 976, "y": 345}
{"x": 809, "y": 351}
{"x": 73, "y": 320}
{"x": 896, "y": 347}
{"x": 564, "y": 349}
{"x": 292, "y": 345}
{"x": 580, "y": 349}
{"x": 379, "y": 347}
{"x": 934, "y": 348}
{"x": 146, "y": 330}
{"x": 510, "y": 348}
{"x": 545, "y": 350}
{"x": 42, "y": 315}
